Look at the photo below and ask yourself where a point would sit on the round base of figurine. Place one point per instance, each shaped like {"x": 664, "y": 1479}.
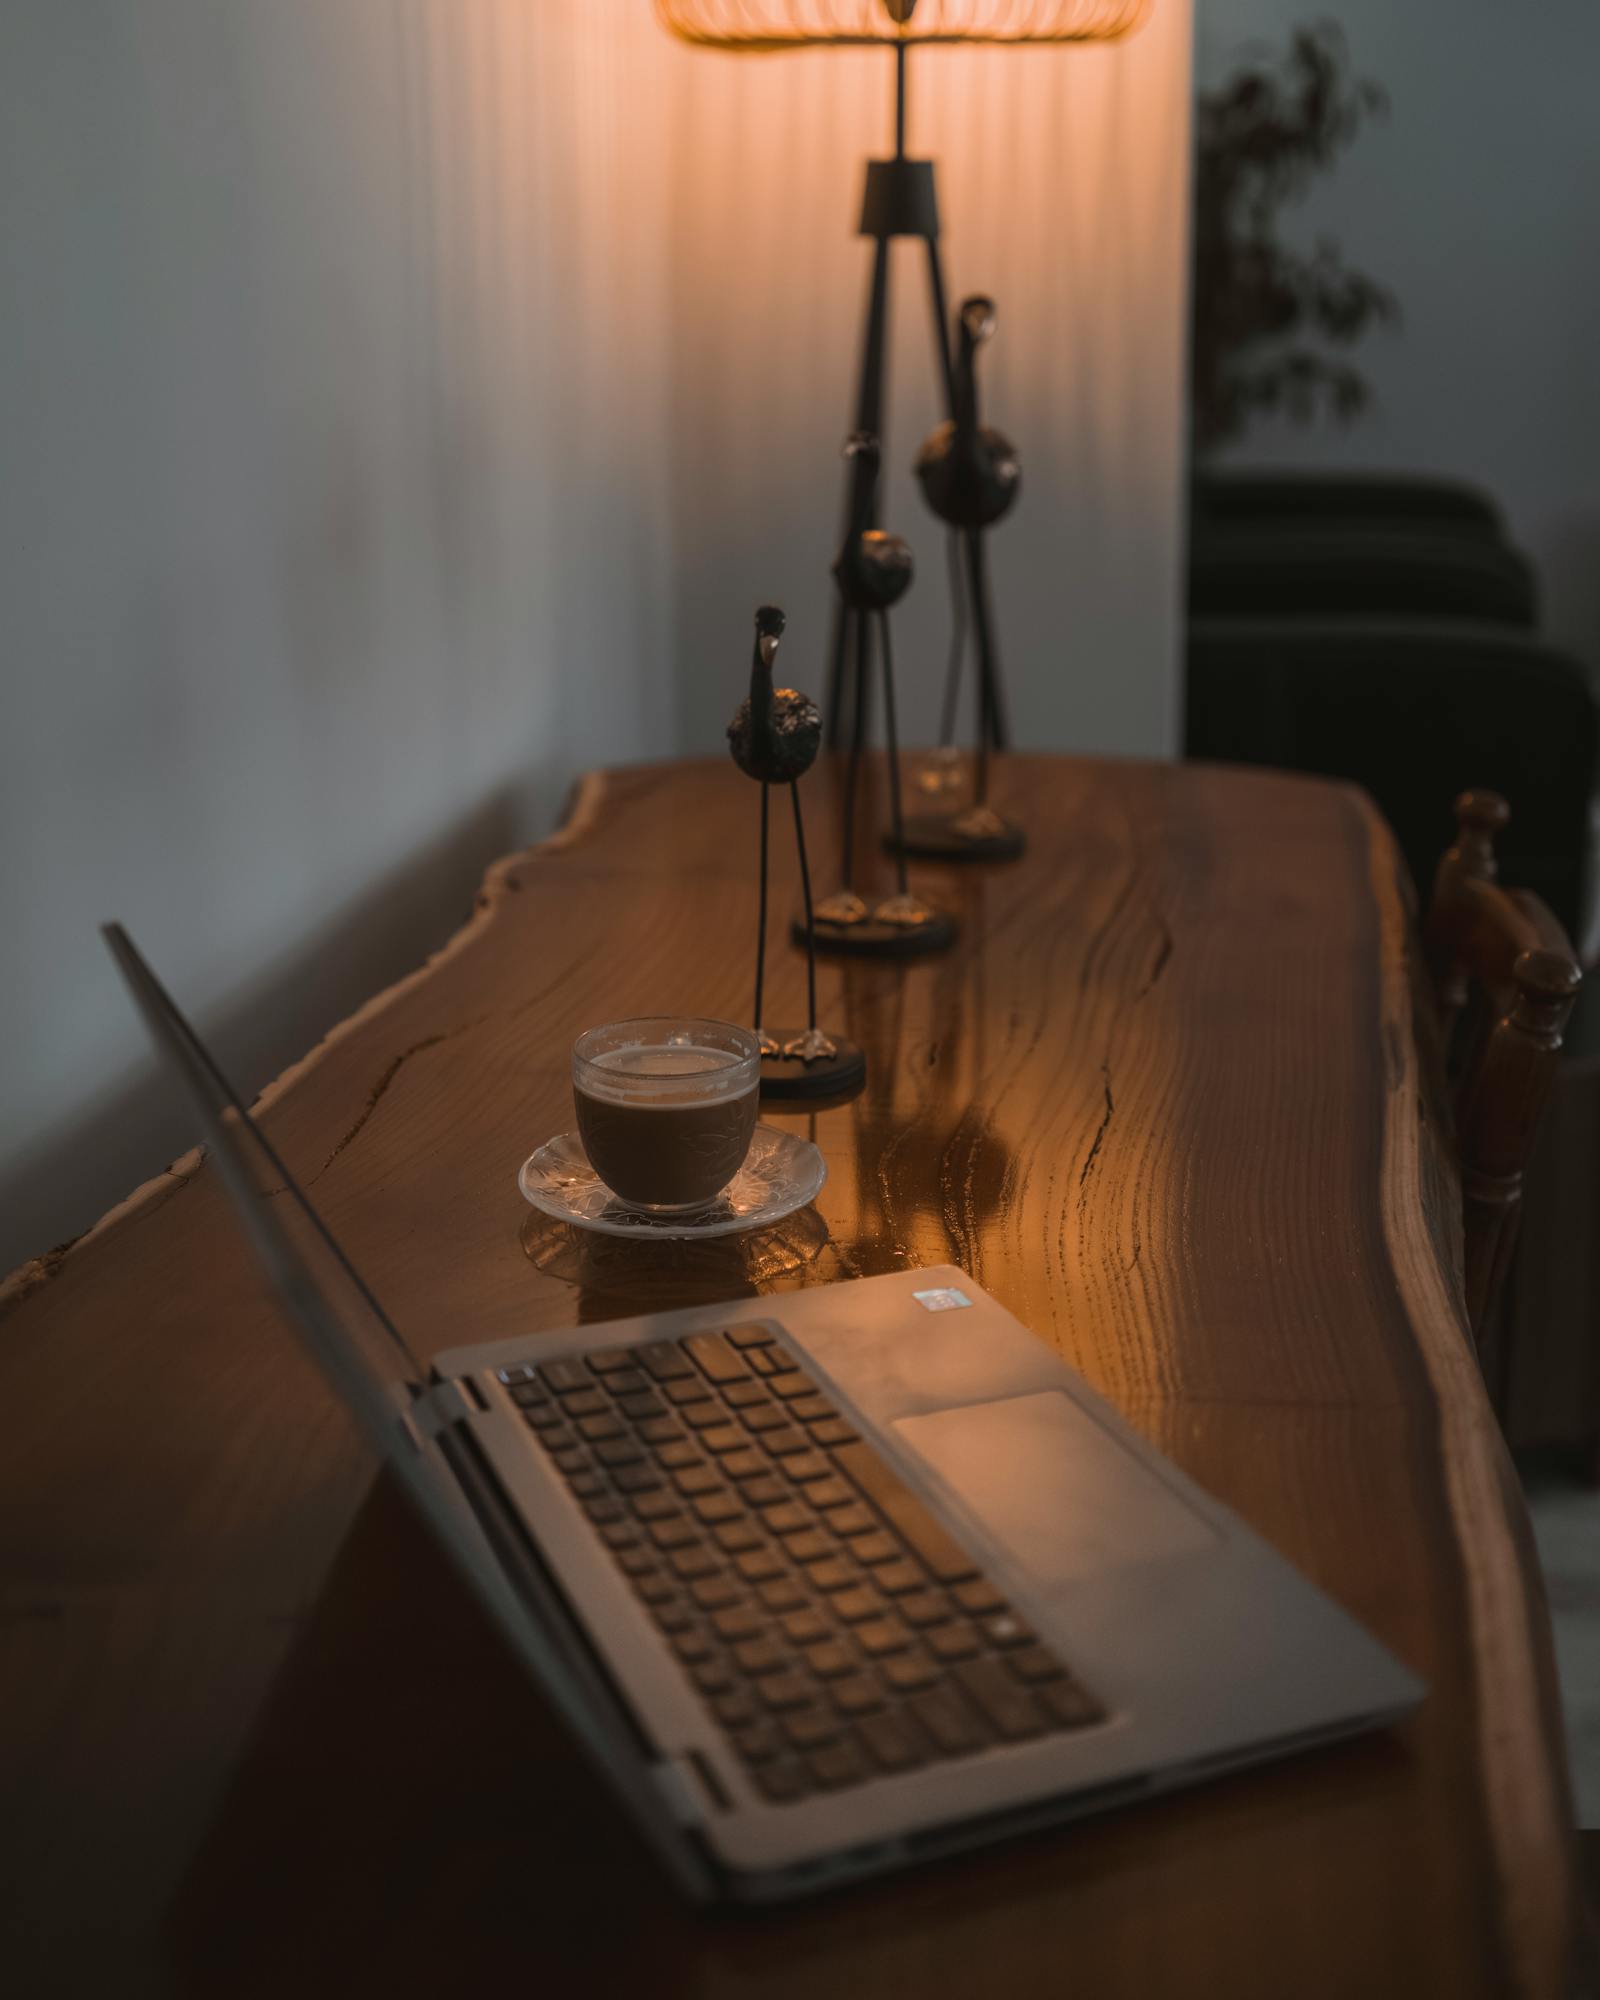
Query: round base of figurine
{"x": 938, "y": 837}
{"x": 873, "y": 939}
{"x": 787, "y": 1080}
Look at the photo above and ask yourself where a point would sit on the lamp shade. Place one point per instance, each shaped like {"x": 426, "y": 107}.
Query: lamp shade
{"x": 757, "y": 25}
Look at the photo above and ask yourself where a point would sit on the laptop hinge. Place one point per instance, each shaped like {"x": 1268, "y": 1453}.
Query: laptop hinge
{"x": 687, "y": 1789}
{"x": 440, "y": 1406}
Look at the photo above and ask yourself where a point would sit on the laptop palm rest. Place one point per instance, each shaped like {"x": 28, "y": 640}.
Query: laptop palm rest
{"x": 1053, "y": 1488}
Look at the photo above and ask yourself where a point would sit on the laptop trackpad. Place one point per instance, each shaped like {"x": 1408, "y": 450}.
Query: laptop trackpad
{"x": 1060, "y": 1494}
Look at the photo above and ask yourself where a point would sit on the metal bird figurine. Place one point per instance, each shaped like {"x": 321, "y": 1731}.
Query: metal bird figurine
{"x": 970, "y": 474}
{"x": 774, "y": 737}
{"x": 873, "y": 571}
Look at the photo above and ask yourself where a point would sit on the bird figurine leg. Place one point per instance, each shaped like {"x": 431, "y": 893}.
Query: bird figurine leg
{"x": 980, "y": 821}
{"x": 902, "y": 908}
{"x": 769, "y": 1046}
{"x": 941, "y": 774}
{"x": 845, "y": 907}
{"x": 813, "y": 1045}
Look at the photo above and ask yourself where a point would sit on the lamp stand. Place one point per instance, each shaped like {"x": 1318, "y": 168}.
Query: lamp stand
{"x": 900, "y": 200}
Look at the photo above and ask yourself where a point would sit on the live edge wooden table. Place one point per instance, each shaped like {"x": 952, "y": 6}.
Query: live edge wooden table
{"x": 1164, "y": 1099}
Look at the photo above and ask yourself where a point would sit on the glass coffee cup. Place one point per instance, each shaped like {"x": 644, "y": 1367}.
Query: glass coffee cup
{"x": 666, "y": 1107}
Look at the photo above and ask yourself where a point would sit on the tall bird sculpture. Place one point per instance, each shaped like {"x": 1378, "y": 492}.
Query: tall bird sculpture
{"x": 970, "y": 476}
{"x": 774, "y": 737}
{"x": 873, "y": 571}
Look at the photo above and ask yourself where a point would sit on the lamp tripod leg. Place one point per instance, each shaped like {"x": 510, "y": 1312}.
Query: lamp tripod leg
{"x": 892, "y": 734}
{"x": 805, "y": 893}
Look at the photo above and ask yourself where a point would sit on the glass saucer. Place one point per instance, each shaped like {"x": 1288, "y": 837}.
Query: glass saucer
{"x": 781, "y": 1173}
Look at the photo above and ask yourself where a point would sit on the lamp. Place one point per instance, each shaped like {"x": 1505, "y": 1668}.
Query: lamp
{"x": 899, "y": 200}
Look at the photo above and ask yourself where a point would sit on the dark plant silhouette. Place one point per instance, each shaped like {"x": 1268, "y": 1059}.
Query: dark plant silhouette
{"x": 1264, "y": 315}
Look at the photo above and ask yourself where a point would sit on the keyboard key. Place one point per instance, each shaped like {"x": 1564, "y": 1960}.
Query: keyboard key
{"x": 518, "y": 1373}
{"x": 806, "y": 1466}
{"x": 588, "y": 1486}
{"x": 1071, "y": 1704}
{"x": 761, "y": 1566}
{"x": 1010, "y": 1709}
{"x": 691, "y": 1564}
{"x": 783, "y": 1780}
{"x": 834, "y": 1432}
{"x": 664, "y": 1361}
{"x": 954, "y": 1642}
{"x": 757, "y": 1656}
{"x": 637, "y": 1564}
{"x": 782, "y": 1594}
{"x": 627, "y": 1382}
{"x": 657, "y": 1506}
{"x": 742, "y": 1621}
{"x": 673, "y": 1616}
{"x": 906, "y": 1513}
{"x": 1033, "y": 1663}
{"x": 571, "y": 1461}
{"x": 806, "y": 1628}
{"x": 924, "y": 1608}
{"x": 882, "y": 1635}
{"x": 690, "y": 1389}
{"x": 875, "y": 1548}
{"x": 744, "y": 1465}
{"x": 978, "y": 1597}
{"x": 603, "y": 1509}
{"x": 855, "y": 1605}
{"x": 758, "y": 1743}
{"x": 891, "y": 1742}
{"x": 853, "y": 1519}
{"x": 907, "y": 1673}
{"x": 793, "y": 1384}
{"x": 833, "y": 1574}
{"x": 899, "y": 1578}
{"x": 565, "y": 1376}
{"x": 620, "y": 1534}
{"x": 595, "y": 1430}
{"x": 716, "y": 1593}
{"x": 840, "y": 1764}
{"x": 766, "y": 1361}
{"x": 713, "y": 1508}
{"x": 811, "y": 1728}
{"x": 829, "y": 1492}
{"x": 952, "y": 1724}
{"x": 586, "y": 1403}
{"x": 811, "y": 1547}
{"x": 692, "y": 1646}
{"x": 740, "y": 1395}
{"x": 545, "y": 1417}
{"x": 766, "y": 1491}
{"x": 556, "y": 1437}
{"x": 656, "y": 1590}
{"x": 662, "y": 1431}
{"x": 722, "y": 1437}
{"x": 812, "y": 1409}
{"x": 782, "y": 1692}
{"x": 859, "y": 1695}
{"x": 678, "y": 1533}
{"x": 609, "y": 1360}
{"x": 639, "y": 1409}
{"x": 623, "y": 1452}
{"x": 529, "y": 1396}
{"x": 636, "y": 1478}
{"x": 697, "y": 1479}
{"x": 734, "y": 1709}
{"x": 830, "y": 1661}
{"x": 787, "y": 1518}
{"x": 707, "y": 1415}
{"x": 736, "y": 1538}
{"x": 759, "y": 1417}
{"x": 780, "y": 1443}
{"x": 714, "y": 1357}
{"x": 715, "y": 1677}
{"x": 751, "y": 1336}
{"x": 677, "y": 1457}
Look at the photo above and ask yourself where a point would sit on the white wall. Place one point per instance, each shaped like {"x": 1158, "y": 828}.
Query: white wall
{"x": 403, "y": 402}
{"x": 1476, "y": 204}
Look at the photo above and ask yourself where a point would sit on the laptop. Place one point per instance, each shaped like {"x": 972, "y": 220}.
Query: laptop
{"x": 828, "y": 1583}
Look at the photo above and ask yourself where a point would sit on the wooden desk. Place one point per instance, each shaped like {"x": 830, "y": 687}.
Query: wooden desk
{"x": 1163, "y": 1100}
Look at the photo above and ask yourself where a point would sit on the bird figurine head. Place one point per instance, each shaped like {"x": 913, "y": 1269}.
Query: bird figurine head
{"x": 776, "y": 732}
{"x": 970, "y": 474}
{"x": 873, "y": 570}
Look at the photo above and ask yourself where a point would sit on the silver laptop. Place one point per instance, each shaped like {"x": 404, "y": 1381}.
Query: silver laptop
{"x": 825, "y": 1583}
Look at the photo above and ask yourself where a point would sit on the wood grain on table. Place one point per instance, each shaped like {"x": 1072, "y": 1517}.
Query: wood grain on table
{"x": 1164, "y": 1100}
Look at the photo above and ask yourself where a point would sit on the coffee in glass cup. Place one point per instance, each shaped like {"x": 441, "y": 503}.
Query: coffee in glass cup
{"x": 666, "y": 1107}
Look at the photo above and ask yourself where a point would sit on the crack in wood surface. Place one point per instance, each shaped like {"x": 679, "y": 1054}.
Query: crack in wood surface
{"x": 1099, "y": 1137}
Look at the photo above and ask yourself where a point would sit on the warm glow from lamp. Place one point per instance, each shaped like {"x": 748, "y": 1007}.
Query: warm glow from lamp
{"x": 756, "y": 25}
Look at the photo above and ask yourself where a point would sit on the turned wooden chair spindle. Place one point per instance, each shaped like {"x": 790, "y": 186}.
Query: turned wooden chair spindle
{"x": 1506, "y": 944}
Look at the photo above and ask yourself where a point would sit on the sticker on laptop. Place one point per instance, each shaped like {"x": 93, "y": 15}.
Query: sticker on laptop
{"x": 945, "y": 1299}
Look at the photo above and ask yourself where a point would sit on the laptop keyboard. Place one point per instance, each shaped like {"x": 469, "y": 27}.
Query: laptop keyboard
{"x": 827, "y": 1619}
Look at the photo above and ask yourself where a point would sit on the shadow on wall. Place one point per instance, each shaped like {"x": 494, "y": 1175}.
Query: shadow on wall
{"x": 137, "y": 1127}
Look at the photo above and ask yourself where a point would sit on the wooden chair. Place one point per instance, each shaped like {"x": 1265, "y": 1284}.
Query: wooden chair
{"x": 1504, "y": 951}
